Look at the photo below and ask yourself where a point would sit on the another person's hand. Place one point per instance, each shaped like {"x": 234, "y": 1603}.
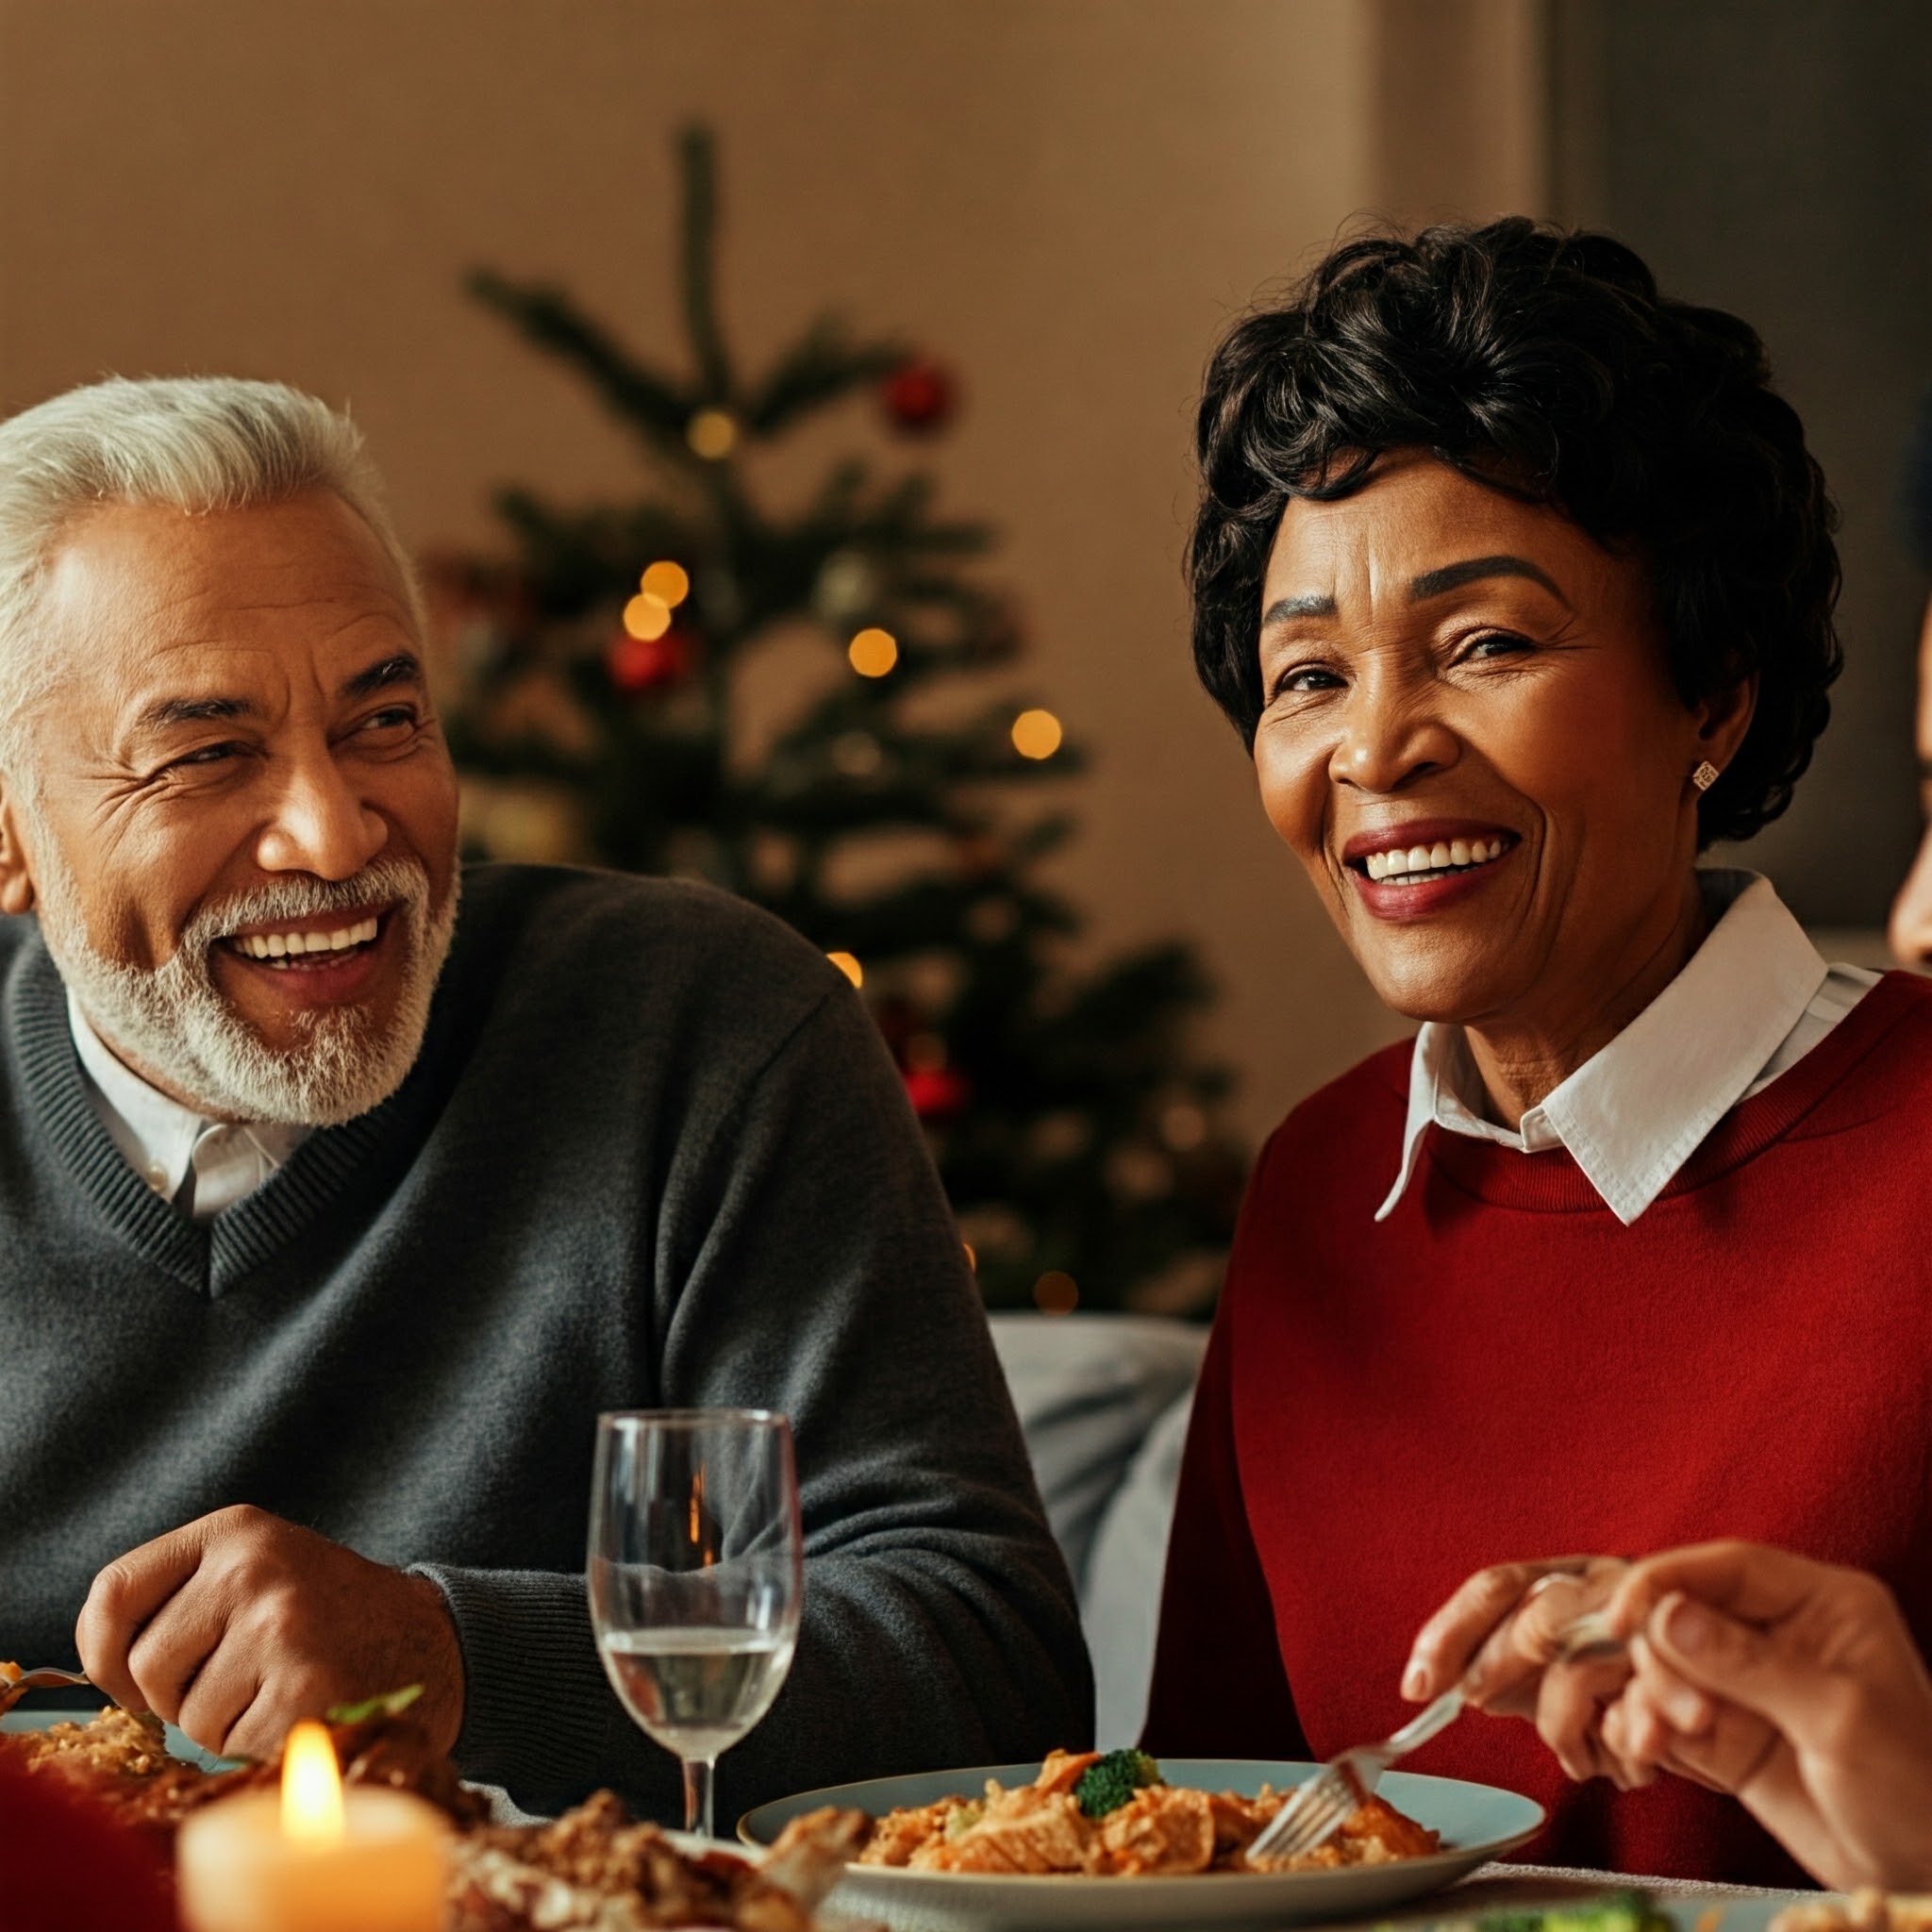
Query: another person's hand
{"x": 1501, "y": 1637}
{"x": 1792, "y": 1683}
{"x": 234, "y": 1625}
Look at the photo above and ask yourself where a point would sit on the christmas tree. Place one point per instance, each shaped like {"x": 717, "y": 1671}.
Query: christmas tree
{"x": 601, "y": 666}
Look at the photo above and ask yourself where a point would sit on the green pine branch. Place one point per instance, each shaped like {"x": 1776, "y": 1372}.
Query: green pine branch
{"x": 550, "y": 321}
{"x": 698, "y": 166}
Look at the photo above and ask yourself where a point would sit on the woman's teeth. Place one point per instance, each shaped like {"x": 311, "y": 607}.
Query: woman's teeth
{"x": 289, "y": 945}
{"x": 1455, "y": 855}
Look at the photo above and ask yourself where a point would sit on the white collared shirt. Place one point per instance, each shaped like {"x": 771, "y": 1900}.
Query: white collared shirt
{"x": 202, "y": 1165}
{"x": 1752, "y": 1001}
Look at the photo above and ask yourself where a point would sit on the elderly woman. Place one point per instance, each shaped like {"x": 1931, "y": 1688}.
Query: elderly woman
{"x": 1518, "y": 581}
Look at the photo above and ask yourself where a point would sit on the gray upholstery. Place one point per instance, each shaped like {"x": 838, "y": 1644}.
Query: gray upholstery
{"x": 1103, "y": 1402}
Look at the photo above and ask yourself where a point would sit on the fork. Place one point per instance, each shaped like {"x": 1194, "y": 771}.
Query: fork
{"x": 15, "y": 1683}
{"x": 1317, "y": 1810}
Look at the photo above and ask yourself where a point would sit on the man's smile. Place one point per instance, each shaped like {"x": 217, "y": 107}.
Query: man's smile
{"x": 321, "y": 960}
{"x": 291, "y": 943}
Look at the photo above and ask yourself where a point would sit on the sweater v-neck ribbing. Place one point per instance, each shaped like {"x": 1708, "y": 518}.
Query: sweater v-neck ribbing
{"x": 1553, "y": 1183}
{"x": 209, "y": 1260}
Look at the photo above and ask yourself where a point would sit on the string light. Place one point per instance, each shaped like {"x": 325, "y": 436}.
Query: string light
{"x": 1037, "y": 734}
{"x": 670, "y": 583}
{"x": 848, "y": 964}
{"x": 1056, "y": 1294}
{"x": 646, "y": 618}
{"x": 712, "y": 434}
{"x": 872, "y": 652}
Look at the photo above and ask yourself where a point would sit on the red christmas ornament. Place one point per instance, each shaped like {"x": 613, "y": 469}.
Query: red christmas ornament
{"x": 936, "y": 1092}
{"x": 920, "y": 397}
{"x": 641, "y": 664}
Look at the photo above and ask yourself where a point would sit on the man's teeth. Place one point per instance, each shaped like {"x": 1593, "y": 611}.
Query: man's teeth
{"x": 278, "y": 945}
{"x": 1440, "y": 856}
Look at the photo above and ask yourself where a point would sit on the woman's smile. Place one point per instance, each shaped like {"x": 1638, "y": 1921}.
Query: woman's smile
{"x": 1412, "y": 870}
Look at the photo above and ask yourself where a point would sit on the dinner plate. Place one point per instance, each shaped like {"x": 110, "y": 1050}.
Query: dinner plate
{"x": 1477, "y": 1823}
{"x": 179, "y": 1745}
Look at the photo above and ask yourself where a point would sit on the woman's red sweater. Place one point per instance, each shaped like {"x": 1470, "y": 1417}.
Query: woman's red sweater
{"x": 1501, "y": 1370}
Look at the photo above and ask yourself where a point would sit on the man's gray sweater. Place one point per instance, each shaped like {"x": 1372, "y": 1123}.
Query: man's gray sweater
{"x": 652, "y": 1155}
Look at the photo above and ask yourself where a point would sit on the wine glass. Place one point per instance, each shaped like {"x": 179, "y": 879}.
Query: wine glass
{"x": 696, "y": 1575}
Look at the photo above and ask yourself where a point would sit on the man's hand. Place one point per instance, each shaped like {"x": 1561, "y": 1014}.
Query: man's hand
{"x": 239, "y": 1624}
{"x": 1501, "y": 1637}
{"x": 1796, "y": 1686}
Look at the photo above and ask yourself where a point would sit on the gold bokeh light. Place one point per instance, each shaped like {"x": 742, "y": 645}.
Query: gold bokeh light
{"x": 646, "y": 617}
{"x": 712, "y": 434}
{"x": 670, "y": 583}
{"x": 848, "y": 964}
{"x": 872, "y": 652}
{"x": 1037, "y": 734}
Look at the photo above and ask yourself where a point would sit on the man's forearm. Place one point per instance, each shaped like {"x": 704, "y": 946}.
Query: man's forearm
{"x": 910, "y": 1658}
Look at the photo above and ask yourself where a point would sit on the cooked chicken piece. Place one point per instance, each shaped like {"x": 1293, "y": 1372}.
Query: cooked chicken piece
{"x": 1158, "y": 1833}
{"x": 1382, "y": 1833}
{"x": 1239, "y": 1821}
{"x": 1373, "y": 1834}
{"x": 593, "y": 1869}
{"x": 810, "y": 1854}
{"x": 1063, "y": 1769}
{"x": 1026, "y": 1830}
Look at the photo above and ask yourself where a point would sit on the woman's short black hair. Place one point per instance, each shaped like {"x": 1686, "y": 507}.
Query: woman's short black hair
{"x": 1545, "y": 364}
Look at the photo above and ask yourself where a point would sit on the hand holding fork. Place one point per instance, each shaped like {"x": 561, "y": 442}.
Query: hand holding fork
{"x": 1317, "y": 1810}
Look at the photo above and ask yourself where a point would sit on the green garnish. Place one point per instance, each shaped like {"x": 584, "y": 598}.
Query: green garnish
{"x": 390, "y": 1704}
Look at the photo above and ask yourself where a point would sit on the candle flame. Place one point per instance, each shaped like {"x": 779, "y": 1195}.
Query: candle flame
{"x": 312, "y": 1787}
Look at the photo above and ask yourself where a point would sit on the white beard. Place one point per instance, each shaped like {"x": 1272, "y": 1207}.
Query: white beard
{"x": 174, "y": 1022}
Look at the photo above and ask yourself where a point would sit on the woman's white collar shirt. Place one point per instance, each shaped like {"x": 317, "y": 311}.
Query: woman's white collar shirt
{"x": 201, "y": 1165}
{"x": 1752, "y": 1001}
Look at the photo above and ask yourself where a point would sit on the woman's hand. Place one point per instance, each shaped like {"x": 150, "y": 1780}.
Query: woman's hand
{"x": 1792, "y": 1683}
{"x": 1502, "y": 1637}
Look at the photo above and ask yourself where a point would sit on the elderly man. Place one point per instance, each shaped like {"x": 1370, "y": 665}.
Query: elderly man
{"x": 329, "y": 1220}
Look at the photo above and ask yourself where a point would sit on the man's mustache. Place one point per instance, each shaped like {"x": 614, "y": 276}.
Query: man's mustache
{"x": 383, "y": 881}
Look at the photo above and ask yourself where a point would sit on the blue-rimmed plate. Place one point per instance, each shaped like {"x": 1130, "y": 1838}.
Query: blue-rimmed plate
{"x": 180, "y": 1744}
{"x": 1476, "y": 1822}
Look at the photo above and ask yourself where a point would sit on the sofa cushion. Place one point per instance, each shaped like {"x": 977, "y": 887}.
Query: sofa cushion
{"x": 1088, "y": 1388}
{"x": 1120, "y": 1601}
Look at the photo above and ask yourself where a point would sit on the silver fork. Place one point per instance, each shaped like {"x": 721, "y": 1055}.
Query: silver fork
{"x": 13, "y": 1686}
{"x": 1316, "y": 1810}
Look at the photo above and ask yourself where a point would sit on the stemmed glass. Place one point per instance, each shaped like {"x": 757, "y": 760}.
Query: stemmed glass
{"x": 696, "y": 1575}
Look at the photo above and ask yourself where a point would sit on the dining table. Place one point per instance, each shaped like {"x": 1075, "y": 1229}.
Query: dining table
{"x": 1694, "y": 1904}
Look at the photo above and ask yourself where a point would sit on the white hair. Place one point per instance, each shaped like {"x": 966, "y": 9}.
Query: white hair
{"x": 192, "y": 443}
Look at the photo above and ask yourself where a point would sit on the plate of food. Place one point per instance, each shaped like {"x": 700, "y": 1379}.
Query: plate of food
{"x": 1116, "y": 1839}
{"x": 594, "y": 1866}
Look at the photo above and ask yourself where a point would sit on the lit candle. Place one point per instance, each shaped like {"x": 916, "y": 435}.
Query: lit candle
{"x": 313, "y": 1858}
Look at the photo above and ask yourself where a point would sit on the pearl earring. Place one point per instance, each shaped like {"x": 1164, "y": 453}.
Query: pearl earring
{"x": 1705, "y": 777}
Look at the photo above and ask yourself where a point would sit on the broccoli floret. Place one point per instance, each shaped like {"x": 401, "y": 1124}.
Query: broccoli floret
{"x": 1107, "y": 1784}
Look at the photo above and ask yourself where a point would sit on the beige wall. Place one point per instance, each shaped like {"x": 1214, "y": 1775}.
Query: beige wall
{"x": 1064, "y": 198}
